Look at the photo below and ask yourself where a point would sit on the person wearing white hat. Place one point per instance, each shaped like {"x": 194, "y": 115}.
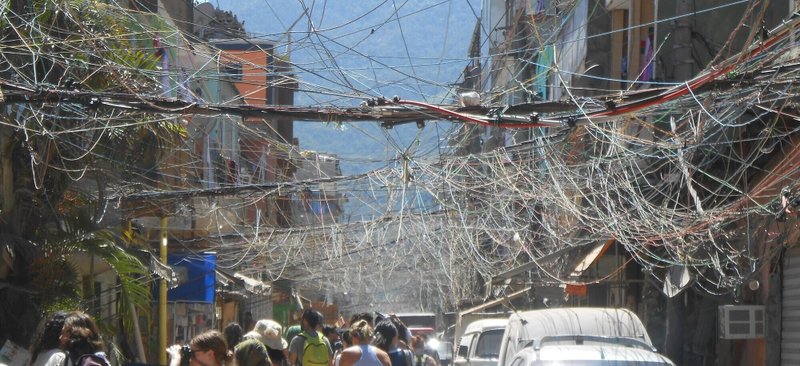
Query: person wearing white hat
{"x": 269, "y": 333}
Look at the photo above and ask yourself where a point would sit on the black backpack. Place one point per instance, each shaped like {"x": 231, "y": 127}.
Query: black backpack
{"x": 401, "y": 357}
{"x": 89, "y": 359}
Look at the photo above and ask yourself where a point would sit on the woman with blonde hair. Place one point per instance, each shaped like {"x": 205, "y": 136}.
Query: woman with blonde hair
{"x": 206, "y": 349}
{"x": 362, "y": 353}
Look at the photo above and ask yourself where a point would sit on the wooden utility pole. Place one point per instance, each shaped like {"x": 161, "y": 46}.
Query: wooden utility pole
{"x": 162, "y": 298}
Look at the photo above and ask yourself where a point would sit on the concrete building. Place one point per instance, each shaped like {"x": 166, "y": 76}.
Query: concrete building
{"x": 323, "y": 206}
{"x": 537, "y": 51}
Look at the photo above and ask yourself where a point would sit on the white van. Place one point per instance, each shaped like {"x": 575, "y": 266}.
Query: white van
{"x": 577, "y": 336}
{"x": 480, "y": 344}
{"x": 588, "y": 355}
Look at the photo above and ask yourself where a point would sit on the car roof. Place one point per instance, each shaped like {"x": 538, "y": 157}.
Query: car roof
{"x": 595, "y": 352}
{"x": 535, "y": 324}
{"x": 485, "y": 324}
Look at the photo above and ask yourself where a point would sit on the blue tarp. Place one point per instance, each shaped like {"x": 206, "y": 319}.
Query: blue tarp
{"x": 197, "y": 273}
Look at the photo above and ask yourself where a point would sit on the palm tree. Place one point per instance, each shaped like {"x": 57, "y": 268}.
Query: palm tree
{"x": 58, "y": 160}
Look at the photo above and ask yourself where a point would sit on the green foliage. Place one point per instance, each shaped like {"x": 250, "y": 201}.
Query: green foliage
{"x": 61, "y": 303}
{"x": 88, "y": 45}
{"x": 131, "y": 272}
{"x": 56, "y": 280}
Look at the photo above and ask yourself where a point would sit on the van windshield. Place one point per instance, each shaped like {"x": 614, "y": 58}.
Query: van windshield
{"x": 489, "y": 344}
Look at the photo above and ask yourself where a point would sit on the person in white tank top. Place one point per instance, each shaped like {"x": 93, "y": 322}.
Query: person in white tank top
{"x": 362, "y": 353}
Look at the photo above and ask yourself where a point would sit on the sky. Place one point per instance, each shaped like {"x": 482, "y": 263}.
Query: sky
{"x": 346, "y": 51}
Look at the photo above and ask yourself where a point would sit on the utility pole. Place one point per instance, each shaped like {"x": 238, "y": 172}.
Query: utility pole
{"x": 162, "y": 298}
{"x": 682, "y": 71}
{"x": 682, "y": 48}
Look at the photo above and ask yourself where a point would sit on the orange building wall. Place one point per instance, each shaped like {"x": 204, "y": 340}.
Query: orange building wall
{"x": 253, "y": 86}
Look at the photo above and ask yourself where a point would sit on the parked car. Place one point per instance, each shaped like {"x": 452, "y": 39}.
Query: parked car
{"x": 601, "y": 352}
{"x": 576, "y": 337}
{"x": 480, "y": 344}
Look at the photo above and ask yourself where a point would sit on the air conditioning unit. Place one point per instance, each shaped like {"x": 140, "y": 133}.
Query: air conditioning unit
{"x": 741, "y": 321}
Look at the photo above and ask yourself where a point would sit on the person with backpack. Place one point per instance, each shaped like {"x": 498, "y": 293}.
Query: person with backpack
{"x": 362, "y": 353}
{"x": 420, "y": 358}
{"x": 310, "y": 347}
{"x": 80, "y": 340}
{"x": 387, "y": 339}
{"x": 251, "y": 352}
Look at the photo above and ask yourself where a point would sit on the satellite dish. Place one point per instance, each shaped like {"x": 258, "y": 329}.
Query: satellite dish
{"x": 676, "y": 280}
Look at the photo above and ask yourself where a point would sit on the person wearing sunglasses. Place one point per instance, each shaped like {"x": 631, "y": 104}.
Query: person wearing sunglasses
{"x": 206, "y": 349}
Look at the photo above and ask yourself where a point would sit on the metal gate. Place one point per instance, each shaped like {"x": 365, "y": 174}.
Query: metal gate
{"x": 790, "y": 308}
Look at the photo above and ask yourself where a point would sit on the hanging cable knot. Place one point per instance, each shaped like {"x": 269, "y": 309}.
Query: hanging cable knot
{"x": 572, "y": 121}
{"x": 789, "y": 204}
{"x": 94, "y": 102}
{"x": 71, "y": 84}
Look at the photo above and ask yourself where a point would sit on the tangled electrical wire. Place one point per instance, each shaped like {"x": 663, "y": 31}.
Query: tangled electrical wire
{"x": 687, "y": 175}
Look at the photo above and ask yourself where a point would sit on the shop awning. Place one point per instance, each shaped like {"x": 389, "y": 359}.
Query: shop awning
{"x": 253, "y": 285}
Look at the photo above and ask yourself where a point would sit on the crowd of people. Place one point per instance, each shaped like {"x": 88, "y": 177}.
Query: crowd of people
{"x": 369, "y": 341}
{"x": 68, "y": 339}
{"x": 73, "y": 339}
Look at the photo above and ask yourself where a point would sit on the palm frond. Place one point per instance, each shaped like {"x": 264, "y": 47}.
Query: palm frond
{"x": 132, "y": 273}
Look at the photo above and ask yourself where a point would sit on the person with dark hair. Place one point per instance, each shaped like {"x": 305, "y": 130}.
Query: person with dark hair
{"x": 362, "y": 353}
{"x": 334, "y": 339}
{"x": 206, "y": 349}
{"x": 403, "y": 334}
{"x": 45, "y": 350}
{"x": 386, "y": 338}
{"x": 310, "y": 347}
{"x": 320, "y": 320}
{"x": 347, "y": 339}
{"x": 80, "y": 339}
{"x": 385, "y": 335}
{"x": 233, "y": 334}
